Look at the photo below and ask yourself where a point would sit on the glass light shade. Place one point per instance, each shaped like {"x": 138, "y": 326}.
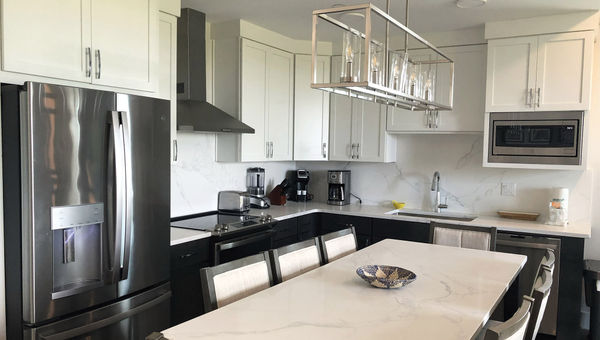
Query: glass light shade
{"x": 376, "y": 61}
{"x": 350, "y": 68}
{"x": 398, "y": 77}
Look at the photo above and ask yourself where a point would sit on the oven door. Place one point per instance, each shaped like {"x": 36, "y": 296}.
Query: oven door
{"x": 548, "y": 138}
{"x": 242, "y": 246}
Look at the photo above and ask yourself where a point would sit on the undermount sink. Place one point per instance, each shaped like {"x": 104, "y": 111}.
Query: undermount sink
{"x": 436, "y": 215}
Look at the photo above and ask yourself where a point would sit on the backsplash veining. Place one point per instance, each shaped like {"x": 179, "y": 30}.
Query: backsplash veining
{"x": 196, "y": 178}
{"x": 467, "y": 185}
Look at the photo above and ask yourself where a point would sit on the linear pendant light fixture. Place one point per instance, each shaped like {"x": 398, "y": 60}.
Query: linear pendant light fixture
{"x": 376, "y": 58}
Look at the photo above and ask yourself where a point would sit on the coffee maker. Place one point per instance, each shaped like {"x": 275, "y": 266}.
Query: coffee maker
{"x": 338, "y": 182}
{"x": 255, "y": 186}
{"x": 302, "y": 177}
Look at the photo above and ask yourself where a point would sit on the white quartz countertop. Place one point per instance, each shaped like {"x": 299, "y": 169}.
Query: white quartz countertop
{"x": 181, "y": 235}
{"x": 579, "y": 229}
{"x": 455, "y": 292}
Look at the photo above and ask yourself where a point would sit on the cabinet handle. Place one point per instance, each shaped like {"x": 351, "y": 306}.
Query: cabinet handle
{"x": 352, "y": 150}
{"x": 271, "y": 150}
{"x": 324, "y": 150}
{"x": 88, "y": 61}
{"x": 437, "y": 119}
{"x": 98, "y": 64}
{"x": 529, "y": 97}
{"x": 357, "y": 151}
{"x": 175, "y": 150}
{"x": 539, "y": 94}
{"x": 267, "y": 149}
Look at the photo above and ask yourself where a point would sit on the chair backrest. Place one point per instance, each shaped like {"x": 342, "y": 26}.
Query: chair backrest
{"x": 515, "y": 327}
{"x": 463, "y": 236}
{"x": 231, "y": 281}
{"x": 549, "y": 259}
{"x": 295, "y": 259}
{"x": 541, "y": 291}
{"x": 338, "y": 244}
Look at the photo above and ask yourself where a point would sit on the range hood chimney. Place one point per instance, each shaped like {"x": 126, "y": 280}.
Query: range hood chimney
{"x": 193, "y": 112}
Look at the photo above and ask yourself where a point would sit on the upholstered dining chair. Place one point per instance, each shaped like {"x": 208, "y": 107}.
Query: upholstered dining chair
{"x": 548, "y": 260}
{"x": 338, "y": 244}
{"x": 541, "y": 291}
{"x": 463, "y": 236}
{"x": 513, "y": 328}
{"x": 294, "y": 259}
{"x": 232, "y": 281}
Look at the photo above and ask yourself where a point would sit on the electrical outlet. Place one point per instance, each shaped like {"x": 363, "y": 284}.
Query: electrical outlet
{"x": 508, "y": 189}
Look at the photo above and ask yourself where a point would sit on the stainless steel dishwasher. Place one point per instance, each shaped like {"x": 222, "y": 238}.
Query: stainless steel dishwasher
{"x": 534, "y": 248}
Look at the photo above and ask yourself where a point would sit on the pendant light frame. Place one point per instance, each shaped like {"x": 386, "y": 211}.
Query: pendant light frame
{"x": 365, "y": 88}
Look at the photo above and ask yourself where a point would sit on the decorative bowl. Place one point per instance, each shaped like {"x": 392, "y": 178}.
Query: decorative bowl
{"x": 386, "y": 276}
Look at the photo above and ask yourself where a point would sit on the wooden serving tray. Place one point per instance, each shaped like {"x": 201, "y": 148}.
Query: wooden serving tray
{"x": 517, "y": 215}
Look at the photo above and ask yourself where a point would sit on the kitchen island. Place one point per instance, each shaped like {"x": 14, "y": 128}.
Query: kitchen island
{"x": 455, "y": 292}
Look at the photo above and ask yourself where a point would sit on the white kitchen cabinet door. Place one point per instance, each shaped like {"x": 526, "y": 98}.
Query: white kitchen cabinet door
{"x": 370, "y": 123}
{"x": 340, "y": 127}
{"x": 50, "y": 38}
{"x": 167, "y": 83}
{"x": 511, "y": 73}
{"x": 564, "y": 71}
{"x": 254, "y": 100}
{"x": 125, "y": 43}
{"x": 311, "y": 110}
{"x": 280, "y": 113}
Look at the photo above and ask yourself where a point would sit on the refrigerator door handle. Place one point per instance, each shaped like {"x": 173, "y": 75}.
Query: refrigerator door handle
{"x": 119, "y": 189}
{"x": 93, "y": 326}
{"x": 128, "y": 193}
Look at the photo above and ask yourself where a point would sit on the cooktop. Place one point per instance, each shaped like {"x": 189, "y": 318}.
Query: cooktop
{"x": 221, "y": 223}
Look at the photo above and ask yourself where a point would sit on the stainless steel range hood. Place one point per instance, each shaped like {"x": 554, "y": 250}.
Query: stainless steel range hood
{"x": 193, "y": 112}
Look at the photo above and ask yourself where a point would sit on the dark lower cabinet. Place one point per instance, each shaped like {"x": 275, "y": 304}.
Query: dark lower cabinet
{"x": 186, "y": 261}
{"x": 362, "y": 226}
{"x": 286, "y": 232}
{"x": 400, "y": 230}
{"x": 308, "y": 226}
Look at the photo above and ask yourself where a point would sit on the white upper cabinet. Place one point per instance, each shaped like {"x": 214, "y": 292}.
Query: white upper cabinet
{"x": 125, "y": 39}
{"x": 564, "y": 71}
{"x": 511, "y": 74}
{"x": 167, "y": 71}
{"x": 469, "y": 97}
{"x": 281, "y": 105}
{"x": 540, "y": 73}
{"x": 104, "y": 42}
{"x": 357, "y": 129}
{"x": 266, "y": 86}
{"x": 47, "y": 37}
{"x": 311, "y": 110}
{"x": 254, "y": 86}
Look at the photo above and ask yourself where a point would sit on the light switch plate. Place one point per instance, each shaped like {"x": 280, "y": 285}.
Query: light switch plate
{"x": 508, "y": 189}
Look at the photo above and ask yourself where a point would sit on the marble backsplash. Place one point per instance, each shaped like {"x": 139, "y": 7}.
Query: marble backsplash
{"x": 196, "y": 178}
{"x": 467, "y": 185}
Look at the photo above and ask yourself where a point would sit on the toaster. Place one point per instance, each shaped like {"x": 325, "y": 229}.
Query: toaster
{"x": 234, "y": 201}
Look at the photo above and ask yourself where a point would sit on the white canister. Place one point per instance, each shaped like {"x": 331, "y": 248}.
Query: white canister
{"x": 558, "y": 208}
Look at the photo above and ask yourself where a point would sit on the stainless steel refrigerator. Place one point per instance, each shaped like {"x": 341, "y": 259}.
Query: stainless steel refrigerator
{"x": 86, "y": 178}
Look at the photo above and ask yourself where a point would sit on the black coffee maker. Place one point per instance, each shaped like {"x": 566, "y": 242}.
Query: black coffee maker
{"x": 299, "y": 185}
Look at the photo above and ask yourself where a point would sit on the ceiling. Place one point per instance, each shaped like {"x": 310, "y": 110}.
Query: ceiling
{"x": 293, "y": 17}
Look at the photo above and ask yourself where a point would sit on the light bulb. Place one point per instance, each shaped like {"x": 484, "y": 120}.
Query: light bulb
{"x": 349, "y": 53}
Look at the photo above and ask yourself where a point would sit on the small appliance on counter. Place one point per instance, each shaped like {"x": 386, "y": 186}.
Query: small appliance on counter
{"x": 338, "y": 182}
{"x": 255, "y": 185}
{"x": 299, "y": 185}
{"x": 237, "y": 202}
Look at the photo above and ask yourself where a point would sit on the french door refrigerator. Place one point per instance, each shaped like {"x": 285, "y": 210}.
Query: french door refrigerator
{"x": 86, "y": 178}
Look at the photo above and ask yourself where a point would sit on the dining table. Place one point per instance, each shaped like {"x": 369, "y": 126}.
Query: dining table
{"x": 455, "y": 292}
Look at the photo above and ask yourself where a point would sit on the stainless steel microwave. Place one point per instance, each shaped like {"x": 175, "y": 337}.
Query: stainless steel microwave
{"x": 536, "y": 137}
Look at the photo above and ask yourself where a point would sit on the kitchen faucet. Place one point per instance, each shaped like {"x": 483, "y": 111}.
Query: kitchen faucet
{"x": 435, "y": 186}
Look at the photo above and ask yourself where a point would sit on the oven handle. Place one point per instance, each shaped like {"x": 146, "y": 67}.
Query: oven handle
{"x": 244, "y": 241}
